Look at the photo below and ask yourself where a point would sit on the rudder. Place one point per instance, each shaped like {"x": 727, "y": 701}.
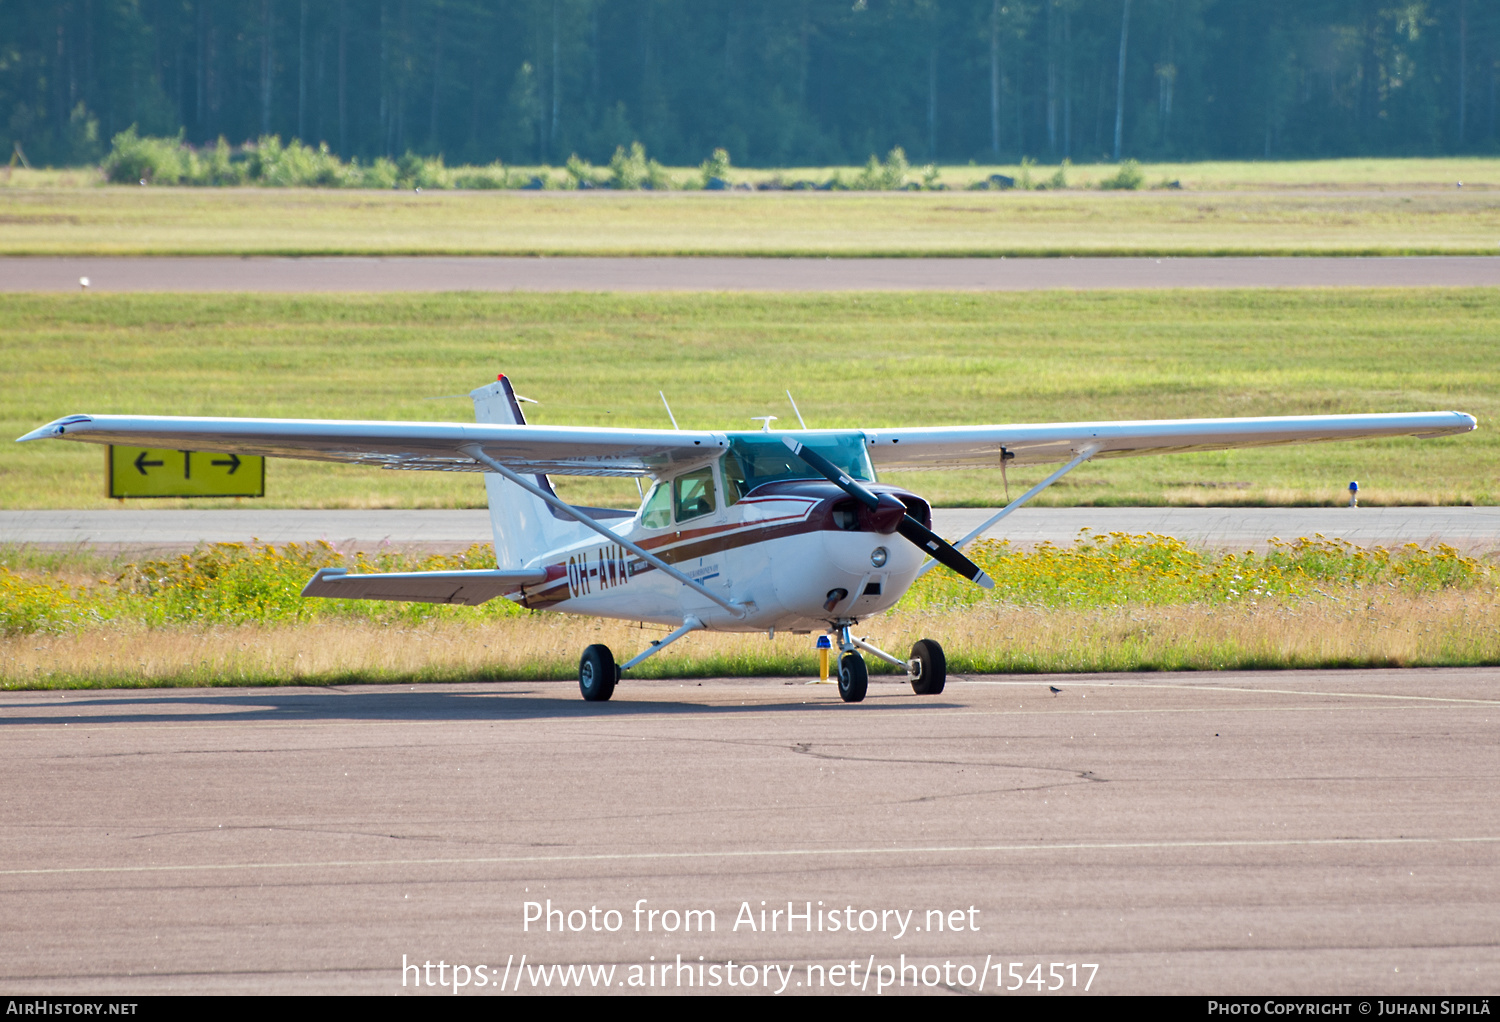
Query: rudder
{"x": 525, "y": 527}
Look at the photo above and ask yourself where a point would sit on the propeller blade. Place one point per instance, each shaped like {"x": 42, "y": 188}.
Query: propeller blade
{"x": 932, "y": 544}
{"x": 945, "y": 553}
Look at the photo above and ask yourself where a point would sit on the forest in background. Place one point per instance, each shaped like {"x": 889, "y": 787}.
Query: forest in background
{"x": 775, "y": 82}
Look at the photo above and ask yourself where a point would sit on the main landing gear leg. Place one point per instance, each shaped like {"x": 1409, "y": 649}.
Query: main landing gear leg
{"x": 927, "y": 668}
{"x": 597, "y": 673}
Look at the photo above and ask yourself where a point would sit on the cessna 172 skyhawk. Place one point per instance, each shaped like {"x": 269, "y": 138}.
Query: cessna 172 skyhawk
{"x": 740, "y": 531}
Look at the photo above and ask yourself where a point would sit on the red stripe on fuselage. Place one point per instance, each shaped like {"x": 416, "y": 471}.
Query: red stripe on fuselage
{"x": 685, "y": 544}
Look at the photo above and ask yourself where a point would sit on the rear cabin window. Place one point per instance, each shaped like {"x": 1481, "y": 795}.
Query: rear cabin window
{"x": 656, "y": 513}
{"x": 693, "y": 494}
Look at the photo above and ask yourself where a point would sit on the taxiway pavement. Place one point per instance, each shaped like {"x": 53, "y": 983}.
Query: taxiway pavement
{"x": 1469, "y": 528}
{"x": 500, "y": 273}
{"x": 1252, "y": 833}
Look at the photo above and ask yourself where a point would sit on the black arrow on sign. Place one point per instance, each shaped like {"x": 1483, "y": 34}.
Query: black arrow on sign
{"x": 233, "y": 462}
{"x": 142, "y": 464}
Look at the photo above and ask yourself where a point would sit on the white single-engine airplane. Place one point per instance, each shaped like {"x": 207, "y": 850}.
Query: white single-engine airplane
{"x": 740, "y": 531}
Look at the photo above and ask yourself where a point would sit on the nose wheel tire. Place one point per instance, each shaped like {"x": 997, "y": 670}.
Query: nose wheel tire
{"x": 853, "y": 678}
{"x": 597, "y": 674}
{"x": 928, "y": 668}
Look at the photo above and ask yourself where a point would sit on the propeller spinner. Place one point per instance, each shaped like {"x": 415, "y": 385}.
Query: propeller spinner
{"x": 931, "y": 543}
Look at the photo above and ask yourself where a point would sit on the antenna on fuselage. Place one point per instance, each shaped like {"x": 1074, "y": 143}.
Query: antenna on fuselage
{"x": 765, "y": 422}
{"x": 796, "y": 409}
{"x": 668, "y": 407}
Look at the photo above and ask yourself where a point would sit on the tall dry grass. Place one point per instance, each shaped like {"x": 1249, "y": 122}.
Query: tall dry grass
{"x": 232, "y": 615}
{"x": 1390, "y": 629}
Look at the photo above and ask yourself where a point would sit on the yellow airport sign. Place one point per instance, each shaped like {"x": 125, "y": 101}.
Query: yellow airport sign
{"x": 148, "y": 472}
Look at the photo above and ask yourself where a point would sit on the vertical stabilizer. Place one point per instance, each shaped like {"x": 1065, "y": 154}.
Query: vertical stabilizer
{"x": 525, "y": 527}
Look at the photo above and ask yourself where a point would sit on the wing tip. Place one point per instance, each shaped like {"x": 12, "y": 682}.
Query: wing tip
{"x": 1466, "y": 424}
{"x": 57, "y": 427}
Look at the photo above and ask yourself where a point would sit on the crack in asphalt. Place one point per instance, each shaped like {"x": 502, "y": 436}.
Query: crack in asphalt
{"x": 806, "y": 749}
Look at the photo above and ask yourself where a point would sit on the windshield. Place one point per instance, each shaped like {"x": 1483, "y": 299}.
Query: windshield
{"x": 755, "y": 459}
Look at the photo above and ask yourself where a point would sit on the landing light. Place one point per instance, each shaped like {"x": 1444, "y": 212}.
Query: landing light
{"x": 878, "y": 556}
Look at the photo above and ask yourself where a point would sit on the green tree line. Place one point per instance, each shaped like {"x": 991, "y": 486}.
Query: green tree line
{"x": 775, "y": 82}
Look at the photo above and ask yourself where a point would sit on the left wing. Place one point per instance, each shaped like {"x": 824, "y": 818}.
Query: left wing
{"x": 1036, "y": 443}
{"x": 557, "y": 450}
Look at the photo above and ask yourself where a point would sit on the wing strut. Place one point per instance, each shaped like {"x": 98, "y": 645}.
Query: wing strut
{"x": 1083, "y": 455}
{"x": 474, "y": 451}
{"x": 689, "y": 624}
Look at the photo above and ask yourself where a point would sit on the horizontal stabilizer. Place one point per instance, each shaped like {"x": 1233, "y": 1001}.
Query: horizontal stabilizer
{"x": 465, "y": 588}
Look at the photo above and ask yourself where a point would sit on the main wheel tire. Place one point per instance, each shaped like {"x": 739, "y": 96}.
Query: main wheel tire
{"x": 854, "y": 679}
{"x": 932, "y": 668}
{"x": 597, "y": 673}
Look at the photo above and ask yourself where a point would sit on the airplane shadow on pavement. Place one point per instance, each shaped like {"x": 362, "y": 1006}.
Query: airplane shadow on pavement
{"x": 289, "y": 705}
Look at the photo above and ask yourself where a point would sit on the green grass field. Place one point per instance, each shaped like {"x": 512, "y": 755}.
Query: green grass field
{"x": 850, "y": 360}
{"x": 1371, "y": 207}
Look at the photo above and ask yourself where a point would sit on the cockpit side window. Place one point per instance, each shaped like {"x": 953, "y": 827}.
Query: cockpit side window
{"x": 736, "y": 482}
{"x": 693, "y": 493}
{"x": 656, "y": 513}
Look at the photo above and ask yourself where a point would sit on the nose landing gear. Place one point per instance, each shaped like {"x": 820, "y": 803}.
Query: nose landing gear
{"x": 854, "y": 679}
{"x": 927, "y": 669}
